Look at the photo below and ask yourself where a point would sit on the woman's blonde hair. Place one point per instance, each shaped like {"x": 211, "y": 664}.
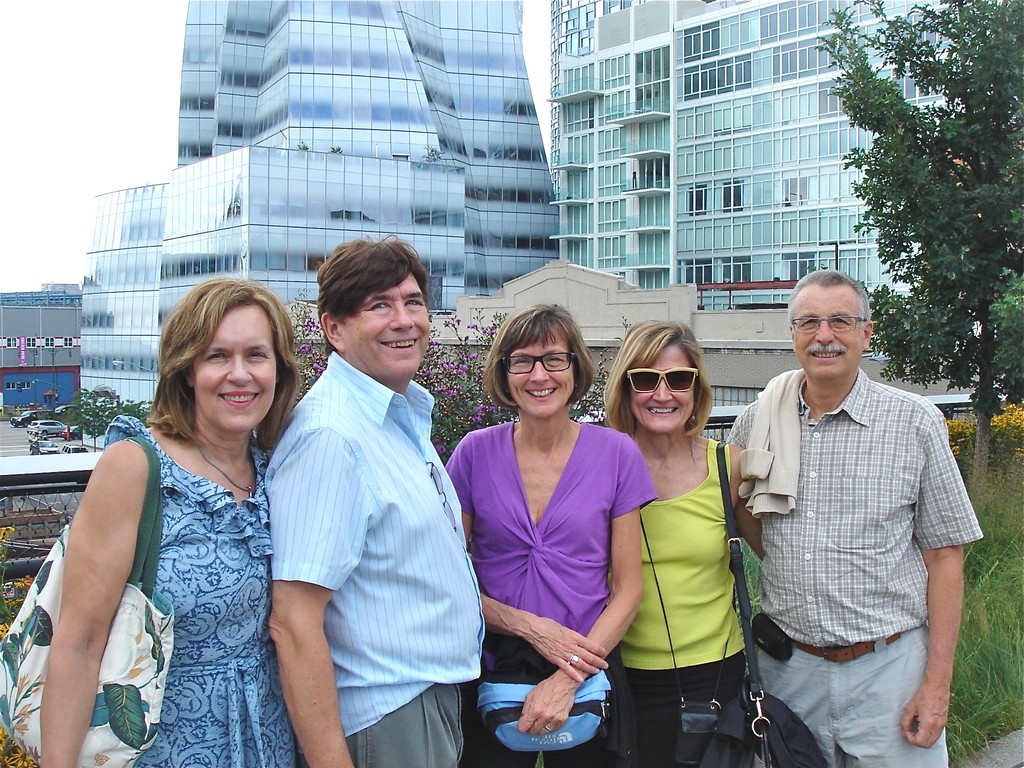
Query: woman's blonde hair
{"x": 538, "y": 324}
{"x": 188, "y": 331}
{"x": 641, "y": 348}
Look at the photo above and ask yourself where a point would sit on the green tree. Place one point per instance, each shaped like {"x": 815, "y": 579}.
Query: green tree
{"x": 942, "y": 183}
{"x": 93, "y": 411}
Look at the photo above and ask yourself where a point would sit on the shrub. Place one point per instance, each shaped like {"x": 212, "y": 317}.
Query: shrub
{"x": 454, "y": 374}
{"x": 1006, "y": 447}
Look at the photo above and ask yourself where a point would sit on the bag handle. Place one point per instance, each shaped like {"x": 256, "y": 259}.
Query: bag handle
{"x": 756, "y": 692}
{"x": 147, "y": 543}
{"x": 723, "y": 480}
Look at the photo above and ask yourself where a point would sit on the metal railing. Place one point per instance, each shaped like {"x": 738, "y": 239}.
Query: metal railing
{"x": 39, "y": 496}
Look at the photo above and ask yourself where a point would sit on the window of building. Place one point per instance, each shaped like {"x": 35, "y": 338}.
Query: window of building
{"x": 735, "y": 269}
{"x": 609, "y": 179}
{"x": 794, "y": 190}
{"x": 609, "y": 144}
{"x": 701, "y": 42}
{"x": 652, "y": 66}
{"x": 578, "y": 116}
{"x": 732, "y": 196}
{"x": 697, "y": 200}
{"x": 697, "y": 271}
{"x": 611, "y": 215}
{"x": 615, "y": 72}
{"x": 796, "y": 265}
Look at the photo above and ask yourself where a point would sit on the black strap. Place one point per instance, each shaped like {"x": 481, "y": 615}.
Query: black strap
{"x": 147, "y": 543}
{"x": 740, "y": 581}
{"x": 723, "y": 479}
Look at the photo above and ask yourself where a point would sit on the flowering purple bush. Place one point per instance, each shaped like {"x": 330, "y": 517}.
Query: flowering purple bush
{"x": 454, "y": 374}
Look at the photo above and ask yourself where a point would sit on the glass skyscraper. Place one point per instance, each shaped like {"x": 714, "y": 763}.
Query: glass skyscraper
{"x": 306, "y": 124}
{"x": 702, "y": 144}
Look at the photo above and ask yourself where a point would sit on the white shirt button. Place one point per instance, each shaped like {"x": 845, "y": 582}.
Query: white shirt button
{"x": 810, "y": 598}
{"x": 815, "y": 435}
{"x": 807, "y": 555}
{"x": 810, "y": 514}
{"x": 813, "y": 474}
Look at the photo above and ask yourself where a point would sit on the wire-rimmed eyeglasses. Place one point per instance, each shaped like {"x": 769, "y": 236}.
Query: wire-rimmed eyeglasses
{"x": 435, "y": 475}
{"x": 648, "y": 379}
{"x": 552, "y": 362}
{"x": 837, "y": 324}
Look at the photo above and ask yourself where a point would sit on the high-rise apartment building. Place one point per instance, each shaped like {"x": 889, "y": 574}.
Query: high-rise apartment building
{"x": 307, "y": 124}
{"x": 701, "y": 143}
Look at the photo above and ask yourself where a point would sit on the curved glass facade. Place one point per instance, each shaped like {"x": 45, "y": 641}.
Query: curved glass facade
{"x": 120, "y": 292}
{"x": 306, "y": 124}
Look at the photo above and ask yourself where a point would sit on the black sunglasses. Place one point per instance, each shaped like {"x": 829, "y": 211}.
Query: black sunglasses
{"x": 648, "y": 379}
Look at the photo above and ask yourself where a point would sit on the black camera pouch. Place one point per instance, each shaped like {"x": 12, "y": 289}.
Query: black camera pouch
{"x": 770, "y": 637}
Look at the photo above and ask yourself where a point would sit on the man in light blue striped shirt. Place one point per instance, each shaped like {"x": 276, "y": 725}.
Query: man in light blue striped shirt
{"x": 376, "y": 610}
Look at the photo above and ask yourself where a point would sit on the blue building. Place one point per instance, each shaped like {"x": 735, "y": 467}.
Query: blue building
{"x": 307, "y": 124}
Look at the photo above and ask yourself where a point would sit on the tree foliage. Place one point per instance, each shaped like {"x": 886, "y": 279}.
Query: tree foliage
{"x": 943, "y": 185}
{"x": 93, "y": 412}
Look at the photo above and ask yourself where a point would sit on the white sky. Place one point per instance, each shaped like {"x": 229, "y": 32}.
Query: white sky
{"x": 92, "y": 106}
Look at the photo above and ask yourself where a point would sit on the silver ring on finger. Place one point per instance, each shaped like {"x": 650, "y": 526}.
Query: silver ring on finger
{"x": 546, "y": 728}
{"x": 574, "y": 660}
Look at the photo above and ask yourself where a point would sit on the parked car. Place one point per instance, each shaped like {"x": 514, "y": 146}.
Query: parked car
{"x": 73, "y": 449}
{"x": 26, "y": 418}
{"x": 60, "y": 409}
{"x": 47, "y": 427}
{"x": 73, "y": 433}
{"x": 41, "y": 447}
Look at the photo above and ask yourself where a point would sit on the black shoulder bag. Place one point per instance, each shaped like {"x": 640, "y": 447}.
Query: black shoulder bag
{"x": 755, "y": 728}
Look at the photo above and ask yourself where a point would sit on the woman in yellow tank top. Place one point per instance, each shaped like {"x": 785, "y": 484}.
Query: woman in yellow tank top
{"x": 658, "y": 393}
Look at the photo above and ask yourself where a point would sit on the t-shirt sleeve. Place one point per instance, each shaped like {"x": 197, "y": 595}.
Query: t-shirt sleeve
{"x": 320, "y": 509}
{"x": 635, "y": 488}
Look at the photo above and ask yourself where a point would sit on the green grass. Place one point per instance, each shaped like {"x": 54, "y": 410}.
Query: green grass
{"x": 988, "y": 675}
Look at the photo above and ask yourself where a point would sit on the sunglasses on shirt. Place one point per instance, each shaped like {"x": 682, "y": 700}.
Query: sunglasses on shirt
{"x": 648, "y": 379}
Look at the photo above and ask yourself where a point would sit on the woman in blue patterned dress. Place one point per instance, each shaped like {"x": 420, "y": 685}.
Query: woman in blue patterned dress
{"x": 228, "y": 380}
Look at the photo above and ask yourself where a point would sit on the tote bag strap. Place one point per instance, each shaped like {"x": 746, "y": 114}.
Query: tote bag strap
{"x": 739, "y": 578}
{"x": 147, "y": 545}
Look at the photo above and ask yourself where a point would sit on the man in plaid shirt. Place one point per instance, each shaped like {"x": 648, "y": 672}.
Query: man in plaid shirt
{"x": 865, "y": 571}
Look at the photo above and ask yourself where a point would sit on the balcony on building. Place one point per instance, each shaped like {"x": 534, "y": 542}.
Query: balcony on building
{"x": 570, "y": 231}
{"x": 648, "y": 224}
{"x": 642, "y": 111}
{"x": 645, "y": 149}
{"x": 564, "y": 197}
{"x": 645, "y": 185}
{"x": 569, "y": 160}
{"x": 575, "y": 89}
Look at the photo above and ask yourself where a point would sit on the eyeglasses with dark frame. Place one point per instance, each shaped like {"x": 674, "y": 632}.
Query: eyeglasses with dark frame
{"x": 435, "y": 475}
{"x": 648, "y": 379}
{"x": 837, "y": 324}
{"x": 552, "y": 362}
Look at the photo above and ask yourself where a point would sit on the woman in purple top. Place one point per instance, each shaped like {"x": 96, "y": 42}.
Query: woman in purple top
{"x": 551, "y": 507}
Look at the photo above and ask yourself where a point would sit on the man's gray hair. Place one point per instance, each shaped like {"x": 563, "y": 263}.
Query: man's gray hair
{"x": 828, "y": 278}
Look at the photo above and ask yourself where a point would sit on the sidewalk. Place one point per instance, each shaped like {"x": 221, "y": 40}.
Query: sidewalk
{"x": 1008, "y": 752}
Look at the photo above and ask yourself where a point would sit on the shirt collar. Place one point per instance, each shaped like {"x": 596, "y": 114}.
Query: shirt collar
{"x": 855, "y": 404}
{"x": 375, "y": 398}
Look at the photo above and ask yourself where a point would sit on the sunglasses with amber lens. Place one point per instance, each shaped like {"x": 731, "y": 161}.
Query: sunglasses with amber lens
{"x": 648, "y": 379}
